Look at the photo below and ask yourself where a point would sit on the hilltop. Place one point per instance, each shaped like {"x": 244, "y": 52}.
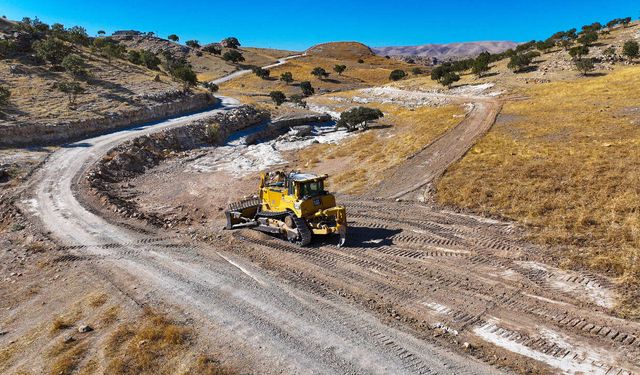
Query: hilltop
{"x": 341, "y": 50}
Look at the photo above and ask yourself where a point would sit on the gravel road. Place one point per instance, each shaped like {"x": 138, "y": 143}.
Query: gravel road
{"x": 281, "y": 327}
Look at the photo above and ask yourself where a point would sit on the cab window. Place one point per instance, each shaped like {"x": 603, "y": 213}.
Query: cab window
{"x": 311, "y": 189}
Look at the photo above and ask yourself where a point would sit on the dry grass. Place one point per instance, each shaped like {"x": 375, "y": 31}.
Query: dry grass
{"x": 63, "y": 322}
{"x": 566, "y": 163}
{"x": 207, "y": 365}
{"x": 110, "y": 315}
{"x": 111, "y": 88}
{"x": 374, "y": 71}
{"x": 154, "y": 345}
{"x": 67, "y": 356}
{"x": 380, "y": 148}
{"x": 97, "y": 299}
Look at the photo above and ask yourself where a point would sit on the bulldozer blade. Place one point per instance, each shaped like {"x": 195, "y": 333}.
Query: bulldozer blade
{"x": 343, "y": 237}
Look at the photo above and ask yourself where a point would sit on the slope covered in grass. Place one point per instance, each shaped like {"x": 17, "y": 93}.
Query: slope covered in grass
{"x": 565, "y": 162}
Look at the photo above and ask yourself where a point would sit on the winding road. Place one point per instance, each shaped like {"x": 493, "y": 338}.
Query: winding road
{"x": 322, "y": 309}
{"x": 283, "y": 327}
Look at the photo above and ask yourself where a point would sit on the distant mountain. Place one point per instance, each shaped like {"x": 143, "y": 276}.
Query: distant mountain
{"x": 446, "y": 51}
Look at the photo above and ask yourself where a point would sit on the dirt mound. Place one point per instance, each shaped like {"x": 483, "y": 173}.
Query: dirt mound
{"x": 341, "y": 50}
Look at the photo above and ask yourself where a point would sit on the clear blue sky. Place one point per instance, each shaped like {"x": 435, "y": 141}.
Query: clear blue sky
{"x": 299, "y": 24}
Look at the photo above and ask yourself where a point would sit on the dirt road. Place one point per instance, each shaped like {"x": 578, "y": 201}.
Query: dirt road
{"x": 418, "y": 289}
{"x": 413, "y": 178}
{"x": 279, "y": 326}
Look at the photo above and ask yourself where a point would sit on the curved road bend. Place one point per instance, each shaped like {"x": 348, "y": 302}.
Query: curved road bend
{"x": 281, "y": 328}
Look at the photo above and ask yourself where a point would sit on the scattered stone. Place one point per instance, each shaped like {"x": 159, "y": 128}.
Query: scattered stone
{"x": 85, "y": 328}
{"x": 69, "y": 339}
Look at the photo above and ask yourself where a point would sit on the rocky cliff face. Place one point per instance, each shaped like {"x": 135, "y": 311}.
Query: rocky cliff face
{"x": 446, "y": 51}
{"x": 28, "y": 134}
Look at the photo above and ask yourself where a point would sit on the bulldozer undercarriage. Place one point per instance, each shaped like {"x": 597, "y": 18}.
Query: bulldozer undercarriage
{"x": 286, "y": 209}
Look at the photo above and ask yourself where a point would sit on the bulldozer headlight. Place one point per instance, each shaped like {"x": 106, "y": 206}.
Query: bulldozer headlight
{"x": 296, "y": 205}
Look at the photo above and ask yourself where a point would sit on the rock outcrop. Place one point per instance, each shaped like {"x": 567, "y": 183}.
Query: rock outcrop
{"x": 29, "y": 134}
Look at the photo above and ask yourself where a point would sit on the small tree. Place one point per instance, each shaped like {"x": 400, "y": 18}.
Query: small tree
{"x": 339, "y": 69}
{"x": 75, "y": 65}
{"x": 416, "y": 71}
{"x": 78, "y": 35}
{"x": 358, "y": 118}
{"x": 72, "y": 89}
{"x": 319, "y": 73}
{"x": 149, "y": 59}
{"x": 213, "y": 48}
{"x": 307, "y": 89}
{"x": 480, "y": 66}
{"x": 58, "y": 31}
{"x": 286, "y": 77}
{"x": 101, "y": 32}
{"x": 630, "y": 49}
{"x": 584, "y": 65}
{"x": 51, "y": 49}
{"x": 134, "y": 57}
{"x": 234, "y": 56}
{"x": 578, "y": 51}
{"x": 625, "y": 21}
{"x": 231, "y": 42}
{"x": 545, "y": 45}
{"x": 173, "y": 38}
{"x": 588, "y": 38}
{"x": 519, "y": 62}
{"x": 212, "y": 87}
{"x": 5, "y": 94}
{"x": 193, "y": 44}
{"x": 449, "y": 78}
{"x": 278, "y": 97}
{"x": 184, "y": 74}
{"x": 360, "y": 61}
{"x": 397, "y": 75}
{"x": 262, "y": 73}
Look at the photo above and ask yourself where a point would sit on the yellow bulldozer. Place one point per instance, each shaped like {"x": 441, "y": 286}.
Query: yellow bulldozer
{"x": 295, "y": 206}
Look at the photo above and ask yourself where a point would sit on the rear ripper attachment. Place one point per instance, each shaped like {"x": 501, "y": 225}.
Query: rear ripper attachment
{"x": 295, "y": 206}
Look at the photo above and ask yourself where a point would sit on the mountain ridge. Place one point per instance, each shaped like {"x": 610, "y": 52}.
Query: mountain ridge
{"x": 447, "y": 50}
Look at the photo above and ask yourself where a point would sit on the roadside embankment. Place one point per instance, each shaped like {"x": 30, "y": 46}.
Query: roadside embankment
{"x": 30, "y": 134}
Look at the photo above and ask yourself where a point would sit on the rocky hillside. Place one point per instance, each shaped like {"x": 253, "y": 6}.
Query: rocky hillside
{"x": 446, "y": 51}
{"x": 60, "y": 78}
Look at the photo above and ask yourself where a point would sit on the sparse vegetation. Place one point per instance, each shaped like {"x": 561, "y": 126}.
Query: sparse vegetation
{"x": 397, "y": 75}
{"x": 319, "y": 73}
{"x": 339, "y": 69}
{"x": 519, "y": 62}
{"x": 5, "y": 94}
{"x": 278, "y": 97}
{"x": 233, "y": 56}
{"x": 51, "y": 49}
{"x": 562, "y": 167}
{"x": 286, "y": 77}
{"x": 630, "y": 49}
{"x": 307, "y": 89}
{"x": 212, "y": 87}
{"x": 72, "y": 89}
{"x": 584, "y": 65}
{"x": 262, "y": 73}
{"x": 358, "y": 118}
{"x": 416, "y": 71}
{"x": 147, "y": 348}
{"x": 75, "y": 65}
{"x": 193, "y": 44}
{"x": 231, "y": 42}
{"x": 578, "y": 51}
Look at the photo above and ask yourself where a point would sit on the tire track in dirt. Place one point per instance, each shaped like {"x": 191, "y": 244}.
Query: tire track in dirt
{"x": 425, "y": 167}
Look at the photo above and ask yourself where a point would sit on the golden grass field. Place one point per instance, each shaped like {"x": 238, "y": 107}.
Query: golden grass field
{"x": 209, "y": 67}
{"x": 361, "y": 161}
{"x": 566, "y": 164}
{"x": 374, "y": 70}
